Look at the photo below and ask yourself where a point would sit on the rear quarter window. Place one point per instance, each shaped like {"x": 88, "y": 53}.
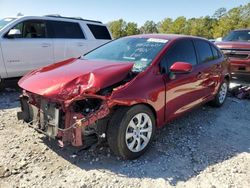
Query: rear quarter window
{"x": 99, "y": 31}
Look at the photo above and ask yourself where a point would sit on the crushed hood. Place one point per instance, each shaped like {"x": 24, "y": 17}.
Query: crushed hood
{"x": 73, "y": 77}
{"x": 233, "y": 45}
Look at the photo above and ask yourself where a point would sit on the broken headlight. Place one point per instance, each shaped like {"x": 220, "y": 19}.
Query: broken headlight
{"x": 87, "y": 106}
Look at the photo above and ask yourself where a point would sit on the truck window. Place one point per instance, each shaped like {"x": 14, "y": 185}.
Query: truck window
{"x": 67, "y": 30}
{"x": 99, "y": 31}
{"x": 31, "y": 29}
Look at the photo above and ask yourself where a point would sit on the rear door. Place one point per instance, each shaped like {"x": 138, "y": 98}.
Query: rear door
{"x": 217, "y": 68}
{"x": 183, "y": 91}
{"x": 68, "y": 39}
{"x": 29, "y": 50}
{"x": 210, "y": 66}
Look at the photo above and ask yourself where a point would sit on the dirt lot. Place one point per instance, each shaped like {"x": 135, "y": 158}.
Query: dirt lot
{"x": 208, "y": 147}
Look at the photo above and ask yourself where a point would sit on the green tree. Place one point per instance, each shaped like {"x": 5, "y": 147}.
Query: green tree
{"x": 219, "y": 24}
{"x": 149, "y": 27}
{"x": 219, "y": 13}
{"x": 228, "y": 22}
{"x": 202, "y": 26}
{"x": 131, "y": 29}
{"x": 165, "y": 25}
{"x": 178, "y": 26}
{"x": 117, "y": 28}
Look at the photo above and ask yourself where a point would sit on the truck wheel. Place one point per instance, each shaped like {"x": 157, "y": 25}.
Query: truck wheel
{"x": 221, "y": 95}
{"x": 130, "y": 131}
{"x": 1, "y": 84}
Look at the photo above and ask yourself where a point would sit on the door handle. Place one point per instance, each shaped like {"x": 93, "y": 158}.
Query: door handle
{"x": 80, "y": 44}
{"x": 45, "y": 45}
{"x": 218, "y": 66}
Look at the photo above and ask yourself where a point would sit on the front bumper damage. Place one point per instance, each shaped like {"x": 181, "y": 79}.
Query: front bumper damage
{"x": 62, "y": 121}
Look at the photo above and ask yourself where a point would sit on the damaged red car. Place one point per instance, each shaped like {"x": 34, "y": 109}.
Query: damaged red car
{"x": 122, "y": 91}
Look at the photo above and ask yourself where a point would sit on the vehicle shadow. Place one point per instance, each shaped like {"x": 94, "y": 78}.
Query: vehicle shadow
{"x": 9, "y": 95}
{"x": 181, "y": 150}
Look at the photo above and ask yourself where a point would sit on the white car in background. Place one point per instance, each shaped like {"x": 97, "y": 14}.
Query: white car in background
{"x": 30, "y": 42}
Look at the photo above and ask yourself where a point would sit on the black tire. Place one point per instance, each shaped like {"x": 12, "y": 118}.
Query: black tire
{"x": 1, "y": 85}
{"x": 118, "y": 126}
{"x": 217, "y": 102}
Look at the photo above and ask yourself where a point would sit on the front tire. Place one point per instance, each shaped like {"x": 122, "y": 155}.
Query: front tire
{"x": 130, "y": 131}
{"x": 1, "y": 84}
{"x": 221, "y": 95}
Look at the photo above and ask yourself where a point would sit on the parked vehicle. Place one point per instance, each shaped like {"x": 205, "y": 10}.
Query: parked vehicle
{"x": 30, "y": 42}
{"x": 123, "y": 90}
{"x": 236, "y": 46}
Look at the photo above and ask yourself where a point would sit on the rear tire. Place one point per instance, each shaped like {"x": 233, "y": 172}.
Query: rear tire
{"x": 130, "y": 131}
{"x": 221, "y": 96}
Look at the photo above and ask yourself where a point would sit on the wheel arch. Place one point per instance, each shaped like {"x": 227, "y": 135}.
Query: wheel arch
{"x": 143, "y": 104}
{"x": 227, "y": 78}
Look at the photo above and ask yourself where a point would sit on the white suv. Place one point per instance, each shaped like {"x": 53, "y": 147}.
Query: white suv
{"x": 30, "y": 42}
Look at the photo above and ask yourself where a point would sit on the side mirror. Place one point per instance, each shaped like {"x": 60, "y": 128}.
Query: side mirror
{"x": 181, "y": 68}
{"x": 14, "y": 32}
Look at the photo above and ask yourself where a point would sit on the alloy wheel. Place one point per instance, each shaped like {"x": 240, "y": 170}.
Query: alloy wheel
{"x": 138, "y": 132}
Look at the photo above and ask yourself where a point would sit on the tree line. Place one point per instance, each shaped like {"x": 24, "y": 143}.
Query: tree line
{"x": 217, "y": 25}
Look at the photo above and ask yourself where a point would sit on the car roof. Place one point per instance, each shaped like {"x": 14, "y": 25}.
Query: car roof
{"x": 57, "y": 17}
{"x": 164, "y": 36}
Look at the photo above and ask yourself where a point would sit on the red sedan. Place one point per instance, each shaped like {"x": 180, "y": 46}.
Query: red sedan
{"x": 123, "y": 90}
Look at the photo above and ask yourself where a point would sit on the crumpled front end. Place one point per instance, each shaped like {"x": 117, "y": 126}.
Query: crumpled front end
{"x": 72, "y": 107}
{"x": 66, "y": 124}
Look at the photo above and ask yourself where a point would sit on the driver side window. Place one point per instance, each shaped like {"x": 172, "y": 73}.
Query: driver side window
{"x": 181, "y": 51}
{"x": 19, "y": 27}
{"x": 30, "y": 29}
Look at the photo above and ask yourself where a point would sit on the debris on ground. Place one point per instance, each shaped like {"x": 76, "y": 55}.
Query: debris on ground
{"x": 208, "y": 147}
{"x": 241, "y": 92}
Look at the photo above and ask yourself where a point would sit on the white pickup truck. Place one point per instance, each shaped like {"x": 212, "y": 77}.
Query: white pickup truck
{"x": 30, "y": 42}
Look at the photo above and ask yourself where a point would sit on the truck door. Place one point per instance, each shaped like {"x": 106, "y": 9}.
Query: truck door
{"x": 28, "y": 50}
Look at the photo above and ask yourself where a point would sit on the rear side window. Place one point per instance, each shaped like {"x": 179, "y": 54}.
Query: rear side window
{"x": 216, "y": 52}
{"x": 99, "y": 31}
{"x": 182, "y": 51}
{"x": 204, "y": 51}
{"x": 67, "y": 30}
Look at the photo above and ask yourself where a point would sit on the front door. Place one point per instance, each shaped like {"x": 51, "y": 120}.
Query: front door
{"x": 29, "y": 50}
{"x": 183, "y": 91}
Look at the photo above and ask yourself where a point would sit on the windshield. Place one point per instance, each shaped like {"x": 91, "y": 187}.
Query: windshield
{"x": 140, "y": 51}
{"x": 5, "y": 21}
{"x": 243, "y": 36}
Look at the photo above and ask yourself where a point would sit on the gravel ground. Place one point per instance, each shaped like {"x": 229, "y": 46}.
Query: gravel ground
{"x": 208, "y": 147}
